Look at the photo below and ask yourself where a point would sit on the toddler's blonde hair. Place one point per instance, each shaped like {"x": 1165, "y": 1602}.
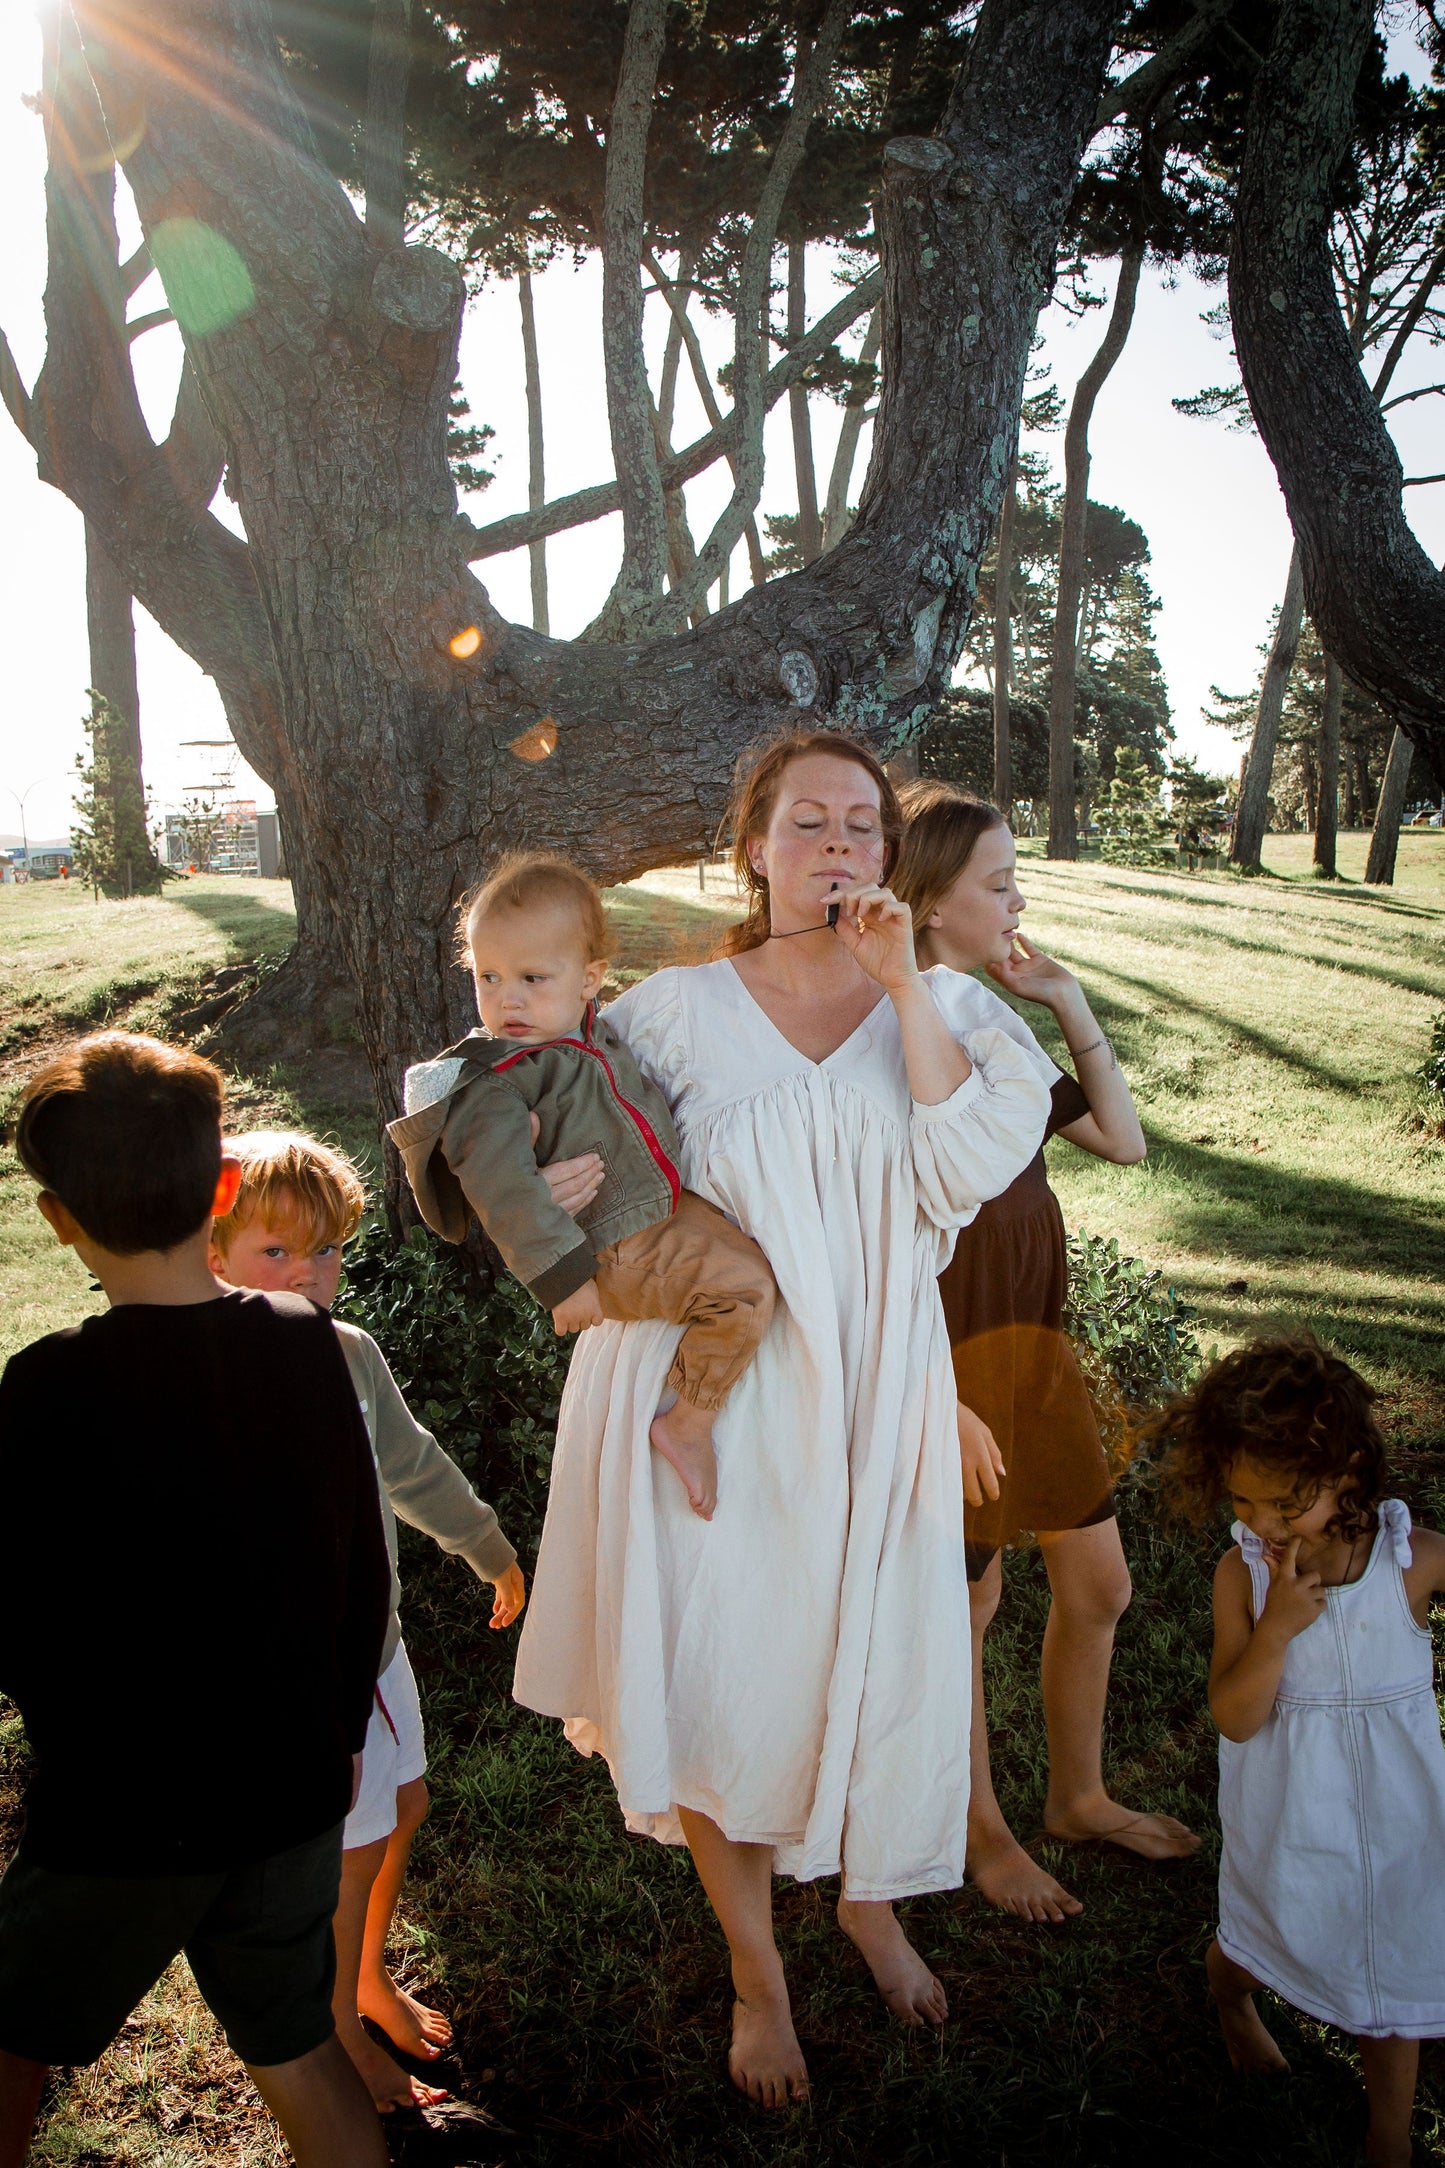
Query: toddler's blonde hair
{"x": 288, "y": 1176}
{"x": 536, "y": 881}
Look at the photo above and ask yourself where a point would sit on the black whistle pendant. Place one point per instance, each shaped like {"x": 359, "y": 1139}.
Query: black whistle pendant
{"x": 831, "y": 913}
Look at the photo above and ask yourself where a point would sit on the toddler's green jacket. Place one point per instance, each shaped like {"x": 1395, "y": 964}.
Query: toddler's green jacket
{"x": 466, "y": 1142}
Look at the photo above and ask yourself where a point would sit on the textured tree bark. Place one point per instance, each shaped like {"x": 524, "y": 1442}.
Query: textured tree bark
{"x": 675, "y": 292}
{"x": 1003, "y": 646}
{"x": 1328, "y": 807}
{"x": 411, "y": 714}
{"x": 384, "y": 144}
{"x": 110, "y": 628}
{"x": 629, "y": 398}
{"x": 836, "y": 516}
{"x": 536, "y": 453}
{"x": 1063, "y": 675}
{"x": 1371, "y": 589}
{"x": 1394, "y": 794}
{"x": 1252, "y": 815}
{"x": 810, "y": 526}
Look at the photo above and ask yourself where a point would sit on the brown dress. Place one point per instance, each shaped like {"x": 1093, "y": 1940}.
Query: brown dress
{"x": 1003, "y": 1297}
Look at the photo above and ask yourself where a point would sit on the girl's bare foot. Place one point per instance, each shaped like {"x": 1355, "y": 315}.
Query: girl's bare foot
{"x": 415, "y": 2028}
{"x": 684, "y": 1440}
{"x": 765, "y": 2060}
{"x": 909, "y": 1990}
{"x": 389, "y": 2085}
{"x": 1003, "y": 1872}
{"x": 1103, "y": 1821}
{"x": 1253, "y": 2050}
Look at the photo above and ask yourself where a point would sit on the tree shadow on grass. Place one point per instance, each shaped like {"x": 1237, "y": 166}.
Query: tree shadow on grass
{"x": 1258, "y": 1042}
{"x": 1234, "y": 896}
{"x": 251, "y": 926}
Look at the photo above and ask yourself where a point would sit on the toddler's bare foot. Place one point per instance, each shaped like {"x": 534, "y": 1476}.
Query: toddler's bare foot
{"x": 1104, "y": 1821}
{"x": 388, "y": 2084}
{"x": 415, "y": 2028}
{"x": 1253, "y": 2050}
{"x": 765, "y": 2060}
{"x": 909, "y": 1990}
{"x": 683, "y": 1436}
{"x": 1003, "y": 1872}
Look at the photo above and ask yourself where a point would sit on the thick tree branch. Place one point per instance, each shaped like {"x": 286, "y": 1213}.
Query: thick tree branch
{"x": 629, "y": 397}
{"x": 754, "y": 277}
{"x": 720, "y": 442}
{"x": 1136, "y": 93}
{"x": 15, "y": 397}
{"x": 384, "y": 148}
{"x": 138, "y": 326}
{"x": 1430, "y": 278}
{"x": 1378, "y": 601}
{"x": 675, "y": 293}
{"x": 836, "y": 515}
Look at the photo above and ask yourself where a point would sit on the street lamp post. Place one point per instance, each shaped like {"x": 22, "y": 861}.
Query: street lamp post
{"x": 20, "y": 797}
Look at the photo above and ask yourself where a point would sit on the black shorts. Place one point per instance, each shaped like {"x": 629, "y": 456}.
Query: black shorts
{"x": 78, "y": 1951}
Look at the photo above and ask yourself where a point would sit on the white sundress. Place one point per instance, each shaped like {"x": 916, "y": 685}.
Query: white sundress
{"x": 797, "y": 1668}
{"x": 1332, "y": 1875}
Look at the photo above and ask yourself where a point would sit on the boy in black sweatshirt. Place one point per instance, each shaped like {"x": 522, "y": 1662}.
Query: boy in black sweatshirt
{"x": 193, "y": 1593}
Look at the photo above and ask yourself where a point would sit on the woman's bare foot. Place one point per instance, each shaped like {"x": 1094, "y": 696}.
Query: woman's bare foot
{"x": 1103, "y": 1821}
{"x": 909, "y": 1990}
{"x": 1003, "y": 1873}
{"x": 415, "y": 2029}
{"x": 1253, "y": 2050}
{"x": 683, "y": 1436}
{"x": 765, "y": 2060}
{"x": 389, "y": 2085}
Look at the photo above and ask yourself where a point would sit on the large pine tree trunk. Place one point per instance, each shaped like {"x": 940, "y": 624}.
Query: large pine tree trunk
{"x": 1327, "y": 810}
{"x": 1394, "y": 795}
{"x": 1003, "y": 649}
{"x": 1063, "y": 678}
{"x": 110, "y": 626}
{"x": 411, "y": 715}
{"x": 1252, "y": 817}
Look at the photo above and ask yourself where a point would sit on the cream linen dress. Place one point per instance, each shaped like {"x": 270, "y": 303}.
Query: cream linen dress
{"x": 798, "y": 1667}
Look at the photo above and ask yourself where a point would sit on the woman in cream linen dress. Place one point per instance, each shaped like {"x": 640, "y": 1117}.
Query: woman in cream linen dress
{"x": 796, "y": 1669}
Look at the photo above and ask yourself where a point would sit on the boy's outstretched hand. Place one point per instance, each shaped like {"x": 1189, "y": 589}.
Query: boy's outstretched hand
{"x": 510, "y": 1598}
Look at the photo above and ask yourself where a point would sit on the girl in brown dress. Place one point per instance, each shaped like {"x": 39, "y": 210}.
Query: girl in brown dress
{"x": 1003, "y": 1297}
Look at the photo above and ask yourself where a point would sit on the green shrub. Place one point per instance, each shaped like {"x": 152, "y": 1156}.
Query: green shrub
{"x": 483, "y": 1370}
{"x": 1432, "y": 1070}
{"x": 1133, "y": 1335}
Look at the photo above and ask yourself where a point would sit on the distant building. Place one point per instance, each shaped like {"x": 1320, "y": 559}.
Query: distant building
{"x": 242, "y": 840}
{"x": 41, "y": 861}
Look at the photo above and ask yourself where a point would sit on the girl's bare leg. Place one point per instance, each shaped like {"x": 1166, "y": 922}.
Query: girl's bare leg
{"x": 1089, "y": 1582}
{"x": 323, "y": 2108}
{"x": 998, "y": 1866}
{"x": 420, "y": 2031}
{"x": 909, "y": 1990}
{"x": 1252, "y": 2047}
{"x": 387, "y": 2082}
{"x": 765, "y": 2061}
{"x": 21, "y": 2084}
{"x": 1392, "y": 2071}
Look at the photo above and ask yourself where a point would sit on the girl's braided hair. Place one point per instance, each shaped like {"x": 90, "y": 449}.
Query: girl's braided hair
{"x": 1288, "y": 1404}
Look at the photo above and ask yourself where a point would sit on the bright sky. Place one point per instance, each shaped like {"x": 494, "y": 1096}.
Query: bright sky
{"x": 1206, "y": 497}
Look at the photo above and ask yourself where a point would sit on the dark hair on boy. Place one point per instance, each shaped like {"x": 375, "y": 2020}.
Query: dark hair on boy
{"x": 127, "y": 1133}
{"x": 1287, "y": 1404}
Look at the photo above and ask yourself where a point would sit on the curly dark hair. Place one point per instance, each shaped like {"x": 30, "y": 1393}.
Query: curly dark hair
{"x": 1287, "y": 1404}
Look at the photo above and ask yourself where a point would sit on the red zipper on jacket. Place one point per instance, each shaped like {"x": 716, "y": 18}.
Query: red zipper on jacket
{"x": 644, "y": 1127}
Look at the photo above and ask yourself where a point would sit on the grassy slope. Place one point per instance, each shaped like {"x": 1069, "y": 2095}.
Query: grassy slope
{"x": 1270, "y": 1029}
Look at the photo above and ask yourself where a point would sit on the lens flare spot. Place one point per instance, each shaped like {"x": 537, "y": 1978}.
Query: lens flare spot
{"x": 538, "y": 742}
{"x": 465, "y": 643}
{"x": 204, "y": 275}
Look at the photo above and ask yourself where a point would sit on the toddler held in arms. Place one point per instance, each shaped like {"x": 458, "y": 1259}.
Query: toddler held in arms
{"x": 297, "y": 1203}
{"x": 536, "y": 938}
{"x": 1331, "y": 1764}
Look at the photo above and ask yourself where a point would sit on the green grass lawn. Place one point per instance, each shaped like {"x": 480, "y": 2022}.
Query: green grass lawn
{"x": 1271, "y": 1029}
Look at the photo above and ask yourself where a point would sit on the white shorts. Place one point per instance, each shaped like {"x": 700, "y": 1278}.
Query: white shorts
{"x": 394, "y": 1754}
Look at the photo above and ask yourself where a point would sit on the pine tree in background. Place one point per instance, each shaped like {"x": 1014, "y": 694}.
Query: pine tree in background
{"x": 1131, "y": 821}
{"x": 1199, "y": 811}
{"x": 111, "y": 848}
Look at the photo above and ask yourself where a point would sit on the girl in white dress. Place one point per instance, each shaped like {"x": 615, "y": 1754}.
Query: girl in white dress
{"x": 780, "y": 1687}
{"x": 1331, "y": 1764}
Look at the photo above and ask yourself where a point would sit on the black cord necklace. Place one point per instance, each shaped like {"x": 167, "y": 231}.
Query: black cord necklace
{"x": 830, "y": 923}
